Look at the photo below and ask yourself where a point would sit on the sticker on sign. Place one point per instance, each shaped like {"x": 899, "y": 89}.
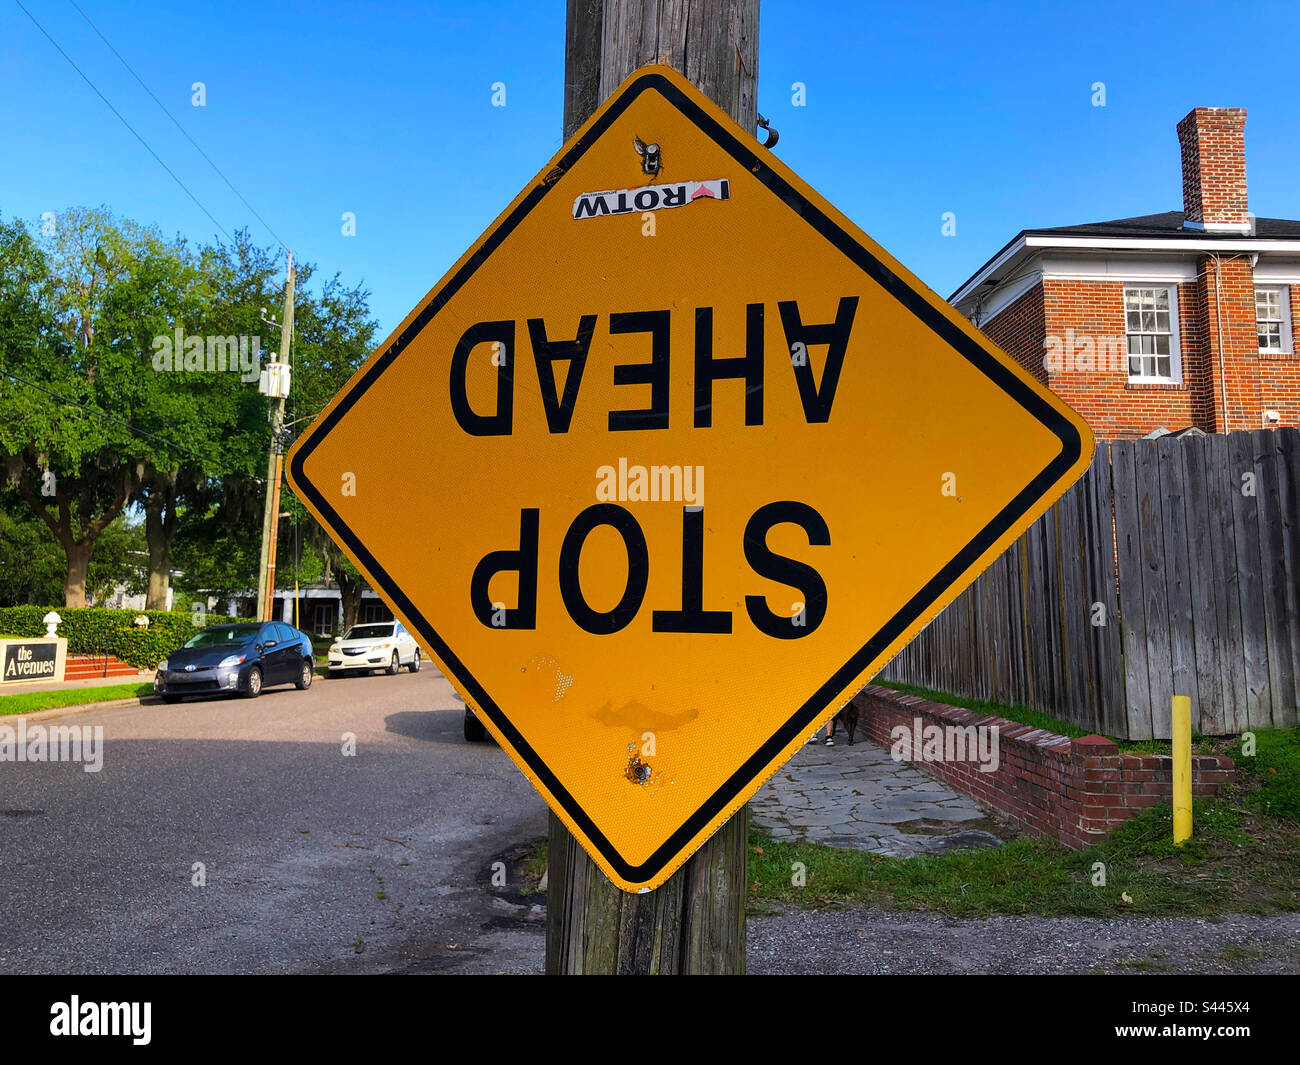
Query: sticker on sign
{"x": 649, "y": 198}
{"x": 647, "y": 654}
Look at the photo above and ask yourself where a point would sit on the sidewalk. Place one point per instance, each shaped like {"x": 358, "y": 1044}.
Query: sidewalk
{"x": 859, "y": 798}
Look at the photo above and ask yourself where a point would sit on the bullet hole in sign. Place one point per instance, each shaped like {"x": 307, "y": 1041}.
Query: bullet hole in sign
{"x": 638, "y": 772}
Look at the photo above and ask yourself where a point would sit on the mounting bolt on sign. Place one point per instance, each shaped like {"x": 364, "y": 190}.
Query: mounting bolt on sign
{"x": 706, "y": 471}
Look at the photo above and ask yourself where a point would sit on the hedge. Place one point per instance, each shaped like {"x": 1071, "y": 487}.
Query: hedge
{"x": 96, "y": 631}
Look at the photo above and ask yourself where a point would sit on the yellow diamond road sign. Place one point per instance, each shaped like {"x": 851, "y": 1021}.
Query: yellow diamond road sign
{"x": 672, "y": 460}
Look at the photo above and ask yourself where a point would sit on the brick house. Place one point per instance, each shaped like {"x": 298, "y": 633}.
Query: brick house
{"x": 1162, "y": 322}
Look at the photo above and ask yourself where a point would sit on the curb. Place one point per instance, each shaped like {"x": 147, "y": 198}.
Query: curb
{"x": 83, "y": 708}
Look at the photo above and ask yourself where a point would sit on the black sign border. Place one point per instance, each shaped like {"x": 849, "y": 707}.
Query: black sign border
{"x": 803, "y": 718}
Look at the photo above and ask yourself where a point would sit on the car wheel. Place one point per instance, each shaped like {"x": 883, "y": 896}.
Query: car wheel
{"x": 171, "y": 698}
{"x": 474, "y": 730}
{"x": 304, "y": 676}
{"x": 395, "y": 666}
{"x": 254, "y": 686}
{"x": 414, "y": 667}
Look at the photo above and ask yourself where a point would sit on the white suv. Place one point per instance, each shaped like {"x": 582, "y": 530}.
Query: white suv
{"x": 382, "y": 645}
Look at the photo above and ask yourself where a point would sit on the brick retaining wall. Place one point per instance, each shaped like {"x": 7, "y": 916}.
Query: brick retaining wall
{"x": 1073, "y": 790}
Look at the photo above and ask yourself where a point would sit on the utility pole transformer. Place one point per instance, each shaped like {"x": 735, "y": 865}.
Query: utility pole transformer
{"x": 695, "y": 922}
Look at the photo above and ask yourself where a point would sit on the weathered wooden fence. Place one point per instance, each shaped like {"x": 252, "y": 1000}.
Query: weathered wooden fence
{"x": 1171, "y": 567}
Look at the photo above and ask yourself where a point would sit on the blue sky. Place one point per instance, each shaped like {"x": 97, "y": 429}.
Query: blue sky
{"x": 384, "y": 109}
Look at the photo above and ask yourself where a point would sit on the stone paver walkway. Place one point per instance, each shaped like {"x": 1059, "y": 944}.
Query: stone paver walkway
{"x": 859, "y": 798}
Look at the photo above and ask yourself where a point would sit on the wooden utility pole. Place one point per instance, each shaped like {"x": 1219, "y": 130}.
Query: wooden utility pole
{"x": 275, "y": 466}
{"x": 694, "y": 923}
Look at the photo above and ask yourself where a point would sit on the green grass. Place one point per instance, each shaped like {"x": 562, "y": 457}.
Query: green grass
{"x": 1152, "y": 963}
{"x": 1232, "y": 954}
{"x": 1234, "y": 863}
{"x": 535, "y": 866}
{"x": 1036, "y": 719}
{"x": 1021, "y": 714}
{"x": 30, "y": 702}
{"x": 1273, "y": 772}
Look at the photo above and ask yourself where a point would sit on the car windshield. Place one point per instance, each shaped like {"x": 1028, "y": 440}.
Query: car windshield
{"x": 223, "y": 636}
{"x": 369, "y": 632}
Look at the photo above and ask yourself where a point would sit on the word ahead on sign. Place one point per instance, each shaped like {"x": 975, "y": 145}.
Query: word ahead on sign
{"x": 675, "y": 469}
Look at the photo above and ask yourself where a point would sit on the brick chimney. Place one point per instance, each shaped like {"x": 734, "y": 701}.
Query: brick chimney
{"x": 1213, "y": 140}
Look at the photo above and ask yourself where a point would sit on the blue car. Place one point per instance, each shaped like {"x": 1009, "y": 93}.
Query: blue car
{"x": 237, "y": 660}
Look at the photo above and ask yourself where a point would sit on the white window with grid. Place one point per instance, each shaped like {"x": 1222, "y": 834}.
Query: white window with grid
{"x": 372, "y": 613}
{"x": 1273, "y": 319}
{"x": 1151, "y": 323}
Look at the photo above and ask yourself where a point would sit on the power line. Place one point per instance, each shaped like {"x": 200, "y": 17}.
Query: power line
{"x": 100, "y": 414}
{"x": 125, "y": 122}
{"x": 177, "y": 124}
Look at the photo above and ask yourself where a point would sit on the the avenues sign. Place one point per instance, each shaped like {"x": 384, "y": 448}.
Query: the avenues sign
{"x": 29, "y": 661}
{"x": 648, "y": 661}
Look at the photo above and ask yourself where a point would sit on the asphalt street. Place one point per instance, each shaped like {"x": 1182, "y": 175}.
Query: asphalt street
{"x": 313, "y": 860}
{"x": 381, "y": 861}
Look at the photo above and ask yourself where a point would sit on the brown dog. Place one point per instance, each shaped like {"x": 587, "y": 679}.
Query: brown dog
{"x": 849, "y": 716}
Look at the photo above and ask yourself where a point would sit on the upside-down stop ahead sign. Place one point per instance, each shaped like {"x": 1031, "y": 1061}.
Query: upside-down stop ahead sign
{"x": 669, "y": 464}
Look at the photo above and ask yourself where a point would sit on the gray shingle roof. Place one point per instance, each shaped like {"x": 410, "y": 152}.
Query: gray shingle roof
{"x": 1168, "y": 224}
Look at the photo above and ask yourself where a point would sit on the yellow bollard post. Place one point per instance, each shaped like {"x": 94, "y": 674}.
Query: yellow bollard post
{"x": 1182, "y": 751}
